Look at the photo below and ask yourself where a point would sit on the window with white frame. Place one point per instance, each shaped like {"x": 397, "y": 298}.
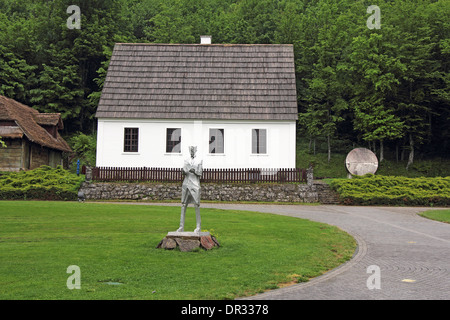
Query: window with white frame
{"x": 131, "y": 140}
{"x": 216, "y": 140}
{"x": 173, "y": 140}
{"x": 259, "y": 141}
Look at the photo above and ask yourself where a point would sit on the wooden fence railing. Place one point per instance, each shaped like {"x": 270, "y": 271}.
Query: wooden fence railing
{"x": 249, "y": 175}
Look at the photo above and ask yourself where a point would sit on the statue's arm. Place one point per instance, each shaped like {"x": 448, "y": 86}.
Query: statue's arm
{"x": 199, "y": 169}
{"x": 186, "y": 168}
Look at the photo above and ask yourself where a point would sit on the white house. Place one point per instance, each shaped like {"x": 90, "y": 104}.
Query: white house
{"x": 236, "y": 103}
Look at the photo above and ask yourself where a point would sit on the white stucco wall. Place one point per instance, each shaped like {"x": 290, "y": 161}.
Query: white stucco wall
{"x": 281, "y": 143}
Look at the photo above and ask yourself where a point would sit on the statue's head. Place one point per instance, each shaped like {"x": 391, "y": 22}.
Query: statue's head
{"x": 192, "y": 151}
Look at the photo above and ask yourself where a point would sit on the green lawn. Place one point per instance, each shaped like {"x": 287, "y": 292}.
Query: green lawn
{"x": 439, "y": 215}
{"x": 116, "y": 243}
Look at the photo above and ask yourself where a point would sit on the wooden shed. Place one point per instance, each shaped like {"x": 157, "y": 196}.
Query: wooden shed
{"x": 32, "y": 139}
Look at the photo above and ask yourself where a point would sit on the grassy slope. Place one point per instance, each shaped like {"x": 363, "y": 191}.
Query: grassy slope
{"x": 116, "y": 242}
{"x": 336, "y": 167}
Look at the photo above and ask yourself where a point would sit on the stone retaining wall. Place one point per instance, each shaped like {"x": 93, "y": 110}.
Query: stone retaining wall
{"x": 267, "y": 192}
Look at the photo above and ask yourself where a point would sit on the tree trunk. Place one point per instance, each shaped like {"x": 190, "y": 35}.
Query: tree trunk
{"x": 402, "y": 154}
{"x": 381, "y": 151}
{"x": 396, "y": 152}
{"x": 411, "y": 152}
{"x": 314, "y": 145}
{"x": 329, "y": 148}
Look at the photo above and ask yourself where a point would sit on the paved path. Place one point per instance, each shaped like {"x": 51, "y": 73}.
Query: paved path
{"x": 412, "y": 253}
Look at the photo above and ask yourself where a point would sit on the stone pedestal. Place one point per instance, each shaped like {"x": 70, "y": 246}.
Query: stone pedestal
{"x": 188, "y": 241}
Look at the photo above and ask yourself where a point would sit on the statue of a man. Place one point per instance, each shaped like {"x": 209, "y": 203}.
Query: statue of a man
{"x": 192, "y": 171}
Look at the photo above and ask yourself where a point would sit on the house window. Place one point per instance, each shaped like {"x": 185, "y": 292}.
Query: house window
{"x": 216, "y": 140}
{"x": 131, "y": 140}
{"x": 173, "y": 140}
{"x": 259, "y": 141}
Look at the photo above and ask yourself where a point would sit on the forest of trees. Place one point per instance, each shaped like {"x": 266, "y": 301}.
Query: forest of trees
{"x": 388, "y": 88}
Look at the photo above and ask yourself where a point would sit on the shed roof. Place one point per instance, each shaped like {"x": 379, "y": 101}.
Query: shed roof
{"x": 197, "y": 81}
{"x": 49, "y": 119}
{"x": 28, "y": 122}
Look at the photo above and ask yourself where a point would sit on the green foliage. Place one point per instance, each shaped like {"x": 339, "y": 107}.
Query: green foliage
{"x": 15, "y": 74}
{"x": 435, "y": 167}
{"x": 84, "y": 147}
{"x": 2, "y": 143}
{"x": 43, "y": 183}
{"x": 335, "y": 168}
{"x": 52, "y": 68}
{"x": 388, "y": 190}
{"x": 389, "y": 77}
{"x": 388, "y": 85}
{"x": 59, "y": 87}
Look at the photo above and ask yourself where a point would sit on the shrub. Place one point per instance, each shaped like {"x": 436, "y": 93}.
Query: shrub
{"x": 84, "y": 147}
{"x": 389, "y": 190}
{"x": 43, "y": 183}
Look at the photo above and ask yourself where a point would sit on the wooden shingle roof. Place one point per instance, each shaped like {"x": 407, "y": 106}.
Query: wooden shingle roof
{"x": 214, "y": 81}
{"x": 49, "y": 119}
{"x": 28, "y": 122}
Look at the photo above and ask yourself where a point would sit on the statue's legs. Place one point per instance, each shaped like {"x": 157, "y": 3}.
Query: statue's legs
{"x": 183, "y": 215}
{"x": 198, "y": 219}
